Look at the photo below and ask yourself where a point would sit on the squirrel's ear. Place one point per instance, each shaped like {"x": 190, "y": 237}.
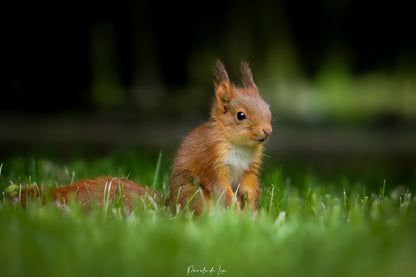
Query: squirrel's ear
{"x": 247, "y": 77}
{"x": 224, "y": 94}
{"x": 221, "y": 74}
{"x": 223, "y": 89}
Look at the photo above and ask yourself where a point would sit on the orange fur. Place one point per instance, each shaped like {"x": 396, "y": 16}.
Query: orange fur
{"x": 95, "y": 191}
{"x": 98, "y": 188}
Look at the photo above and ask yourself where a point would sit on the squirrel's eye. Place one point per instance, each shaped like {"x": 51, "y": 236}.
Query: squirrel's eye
{"x": 241, "y": 116}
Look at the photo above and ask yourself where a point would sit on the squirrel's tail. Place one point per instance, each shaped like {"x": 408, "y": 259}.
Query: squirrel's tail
{"x": 105, "y": 190}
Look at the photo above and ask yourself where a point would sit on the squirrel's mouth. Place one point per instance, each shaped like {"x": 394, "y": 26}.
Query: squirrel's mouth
{"x": 261, "y": 139}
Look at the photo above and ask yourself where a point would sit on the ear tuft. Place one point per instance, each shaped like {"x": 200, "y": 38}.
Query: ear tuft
{"x": 221, "y": 74}
{"x": 247, "y": 76}
{"x": 224, "y": 91}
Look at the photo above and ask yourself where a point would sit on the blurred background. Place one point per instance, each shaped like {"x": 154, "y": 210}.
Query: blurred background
{"x": 100, "y": 75}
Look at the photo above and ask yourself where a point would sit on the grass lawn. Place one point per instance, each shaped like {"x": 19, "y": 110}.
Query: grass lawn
{"x": 307, "y": 226}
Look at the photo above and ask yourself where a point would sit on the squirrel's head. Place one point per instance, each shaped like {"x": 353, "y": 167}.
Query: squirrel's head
{"x": 240, "y": 112}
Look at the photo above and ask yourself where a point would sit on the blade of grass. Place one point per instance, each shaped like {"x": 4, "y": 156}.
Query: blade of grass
{"x": 177, "y": 199}
{"x": 89, "y": 195}
{"x": 122, "y": 197}
{"x": 113, "y": 199}
{"x": 219, "y": 198}
{"x": 157, "y": 171}
{"x": 118, "y": 203}
{"x": 72, "y": 177}
{"x": 75, "y": 194}
{"x": 347, "y": 210}
{"x": 107, "y": 195}
{"x": 383, "y": 189}
{"x": 20, "y": 193}
{"x": 190, "y": 199}
{"x": 271, "y": 199}
{"x": 203, "y": 199}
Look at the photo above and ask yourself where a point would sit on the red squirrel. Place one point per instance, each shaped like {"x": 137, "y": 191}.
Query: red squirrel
{"x": 219, "y": 160}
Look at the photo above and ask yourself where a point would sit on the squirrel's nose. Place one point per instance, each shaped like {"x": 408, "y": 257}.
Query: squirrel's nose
{"x": 267, "y": 131}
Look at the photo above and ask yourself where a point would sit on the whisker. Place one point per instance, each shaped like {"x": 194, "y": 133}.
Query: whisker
{"x": 266, "y": 156}
{"x": 274, "y": 119}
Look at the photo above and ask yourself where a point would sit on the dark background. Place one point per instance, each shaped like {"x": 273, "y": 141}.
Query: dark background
{"x": 339, "y": 75}
{"x": 54, "y": 53}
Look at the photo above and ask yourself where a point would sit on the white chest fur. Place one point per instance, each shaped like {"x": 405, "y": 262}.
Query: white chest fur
{"x": 238, "y": 161}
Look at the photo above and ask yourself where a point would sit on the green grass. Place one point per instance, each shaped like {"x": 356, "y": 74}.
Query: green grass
{"x": 307, "y": 226}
